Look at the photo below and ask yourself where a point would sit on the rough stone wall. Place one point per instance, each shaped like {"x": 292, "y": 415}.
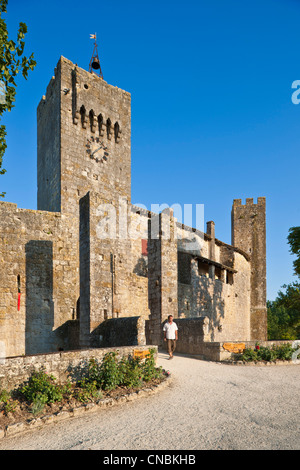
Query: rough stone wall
{"x": 154, "y": 333}
{"x": 249, "y": 234}
{"x": 48, "y": 148}
{"x": 163, "y": 276}
{"x": 38, "y": 258}
{"x": 169, "y": 272}
{"x": 126, "y": 331}
{"x": 63, "y": 365}
{"x": 113, "y": 281}
{"x": 215, "y": 282}
{"x": 226, "y": 305}
{"x": 192, "y": 334}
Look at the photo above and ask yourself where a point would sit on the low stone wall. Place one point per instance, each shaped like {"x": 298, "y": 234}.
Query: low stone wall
{"x": 194, "y": 340}
{"x": 15, "y": 370}
{"x": 225, "y": 355}
{"x": 214, "y": 351}
{"x": 192, "y": 334}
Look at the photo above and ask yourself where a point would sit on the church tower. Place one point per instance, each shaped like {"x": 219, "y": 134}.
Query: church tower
{"x": 84, "y": 163}
{"x": 84, "y": 140}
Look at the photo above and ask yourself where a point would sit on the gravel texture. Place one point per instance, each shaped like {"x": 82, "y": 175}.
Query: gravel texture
{"x": 206, "y": 406}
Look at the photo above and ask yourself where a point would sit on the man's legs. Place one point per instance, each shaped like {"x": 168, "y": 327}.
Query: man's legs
{"x": 171, "y": 347}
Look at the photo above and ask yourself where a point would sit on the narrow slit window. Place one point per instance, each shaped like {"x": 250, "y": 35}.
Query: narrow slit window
{"x": 117, "y": 131}
{"x": 83, "y": 116}
{"x": 108, "y": 128}
{"x": 91, "y": 116}
{"x": 19, "y": 291}
{"x": 100, "y": 124}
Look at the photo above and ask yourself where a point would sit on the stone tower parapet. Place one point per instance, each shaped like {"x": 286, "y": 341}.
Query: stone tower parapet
{"x": 249, "y": 234}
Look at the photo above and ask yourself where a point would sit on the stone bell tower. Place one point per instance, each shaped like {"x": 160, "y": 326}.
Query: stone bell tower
{"x": 84, "y": 140}
{"x": 84, "y": 162}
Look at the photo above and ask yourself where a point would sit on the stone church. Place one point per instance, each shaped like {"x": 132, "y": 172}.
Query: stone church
{"x": 89, "y": 269}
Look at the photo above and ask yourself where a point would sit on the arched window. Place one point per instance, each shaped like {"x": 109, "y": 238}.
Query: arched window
{"x": 91, "y": 116}
{"x": 83, "y": 116}
{"x": 117, "y": 132}
{"x": 100, "y": 125}
{"x": 108, "y": 128}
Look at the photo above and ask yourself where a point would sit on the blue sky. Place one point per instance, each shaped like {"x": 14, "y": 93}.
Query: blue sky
{"x": 212, "y": 115}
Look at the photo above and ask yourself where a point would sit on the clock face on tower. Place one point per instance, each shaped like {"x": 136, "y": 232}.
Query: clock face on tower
{"x": 96, "y": 149}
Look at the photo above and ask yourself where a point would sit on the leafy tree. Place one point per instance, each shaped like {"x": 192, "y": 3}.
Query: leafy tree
{"x": 284, "y": 319}
{"x": 284, "y": 312}
{"x": 294, "y": 241}
{"x": 12, "y": 61}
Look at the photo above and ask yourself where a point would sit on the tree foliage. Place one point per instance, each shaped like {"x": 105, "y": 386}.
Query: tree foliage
{"x": 294, "y": 241}
{"x": 12, "y": 62}
{"x": 284, "y": 312}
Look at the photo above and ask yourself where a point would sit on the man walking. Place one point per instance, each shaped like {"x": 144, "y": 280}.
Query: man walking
{"x": 170, "y": 330}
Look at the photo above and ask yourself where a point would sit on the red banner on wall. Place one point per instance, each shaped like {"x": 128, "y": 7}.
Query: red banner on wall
{"x": 145, "y": 247}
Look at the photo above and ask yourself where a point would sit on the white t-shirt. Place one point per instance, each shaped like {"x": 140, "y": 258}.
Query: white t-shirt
{"x": 170, "y": 329}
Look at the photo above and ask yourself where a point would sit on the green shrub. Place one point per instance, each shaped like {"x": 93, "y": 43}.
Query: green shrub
{"x": 127, "y": 372}
{"x": 285, "y": 352}
{"x": 266, "y": 354}
{"x": 260, "y": 353}
{"x": 4, "y": 396}
{"x": 7, "y": 403}
{"x": 42, "y": 388}
{"x": 131, "y": 372}
{"x": 37, "y": 406}
{"x": 150, "y": 371}
{"x": 108, "y": 374}
{"x": 87, "y": 391}
{"x": 248, "y": 355}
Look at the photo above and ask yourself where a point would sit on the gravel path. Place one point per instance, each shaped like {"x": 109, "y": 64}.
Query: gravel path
{"x": 207, "y": 406}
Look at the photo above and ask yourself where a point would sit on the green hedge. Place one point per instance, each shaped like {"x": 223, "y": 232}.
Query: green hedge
{"x": 281, "y": 352}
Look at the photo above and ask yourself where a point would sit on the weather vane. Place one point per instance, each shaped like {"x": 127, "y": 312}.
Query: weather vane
{"x": 95, "y": 62}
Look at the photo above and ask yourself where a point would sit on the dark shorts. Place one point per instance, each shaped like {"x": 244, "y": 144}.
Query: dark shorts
{"x": 171, "y": 345}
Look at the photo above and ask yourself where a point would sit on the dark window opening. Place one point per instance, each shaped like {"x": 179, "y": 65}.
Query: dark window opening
{"x": 117, "y": 131}
{"x": 91, "y": 116}
{"x": 218, "y": 273}
{"x": 83, "y": 116}
{"x": 108, "y": 128}
{"x": 203, "y": 268}
{"x": 229, "y": 277}
{"x": 100, "y": 124}
{"x": 184, "y": 268}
